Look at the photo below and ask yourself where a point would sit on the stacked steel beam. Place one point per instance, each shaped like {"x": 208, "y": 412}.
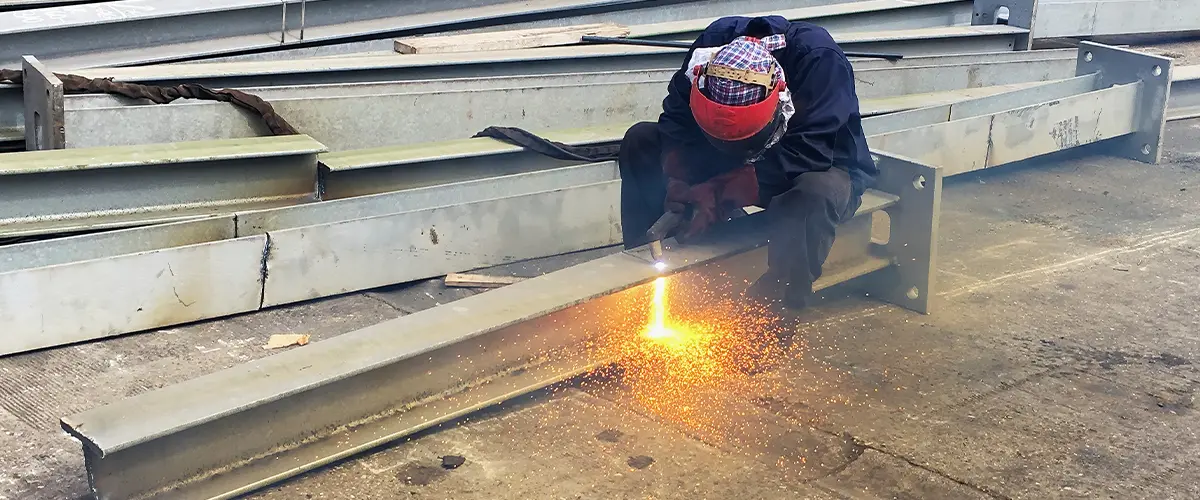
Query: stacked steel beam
{"x": 197, "y": 212}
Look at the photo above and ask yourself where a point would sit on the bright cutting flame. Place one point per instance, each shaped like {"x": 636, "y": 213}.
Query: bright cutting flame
{"x": 658, "y": 309}
{"x": 660, "y": 266}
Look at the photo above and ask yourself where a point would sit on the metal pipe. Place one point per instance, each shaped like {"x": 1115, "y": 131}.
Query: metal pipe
{"x": 686, "y": 45}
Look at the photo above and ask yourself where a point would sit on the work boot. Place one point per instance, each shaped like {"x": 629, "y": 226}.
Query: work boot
{"x": 779, "y": 293}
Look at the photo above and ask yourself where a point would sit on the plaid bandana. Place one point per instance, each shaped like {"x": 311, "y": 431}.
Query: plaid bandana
{"x": 745, "y": 53}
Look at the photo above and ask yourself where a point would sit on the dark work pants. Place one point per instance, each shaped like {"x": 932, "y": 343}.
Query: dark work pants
{"x": 804, "y": 213}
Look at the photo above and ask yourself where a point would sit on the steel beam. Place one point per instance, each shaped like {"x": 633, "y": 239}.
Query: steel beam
{"x": 1092, "y": 18}
{"x": 926, "y": 41}
{"x": 320, "y": 261}
{"x": 81, "y": 288}
{"x": 87, "y": 287}
{"x": 342, "y": 118}
{"x": 970, "y": 144}
{"x": 56, "y": 191}
{"x": 1185, "y": 93}
{"x": 391, "y": 168}
{"x": 396, "y": 68}
{"x": 118, "y": 33}
{"x": 959, "y": 135}
{"x": 684, "y": 20}
{"x": 370, "y": 387}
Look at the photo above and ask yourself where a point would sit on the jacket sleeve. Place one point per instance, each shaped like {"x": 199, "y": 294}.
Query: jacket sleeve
{"x": 825, "y": 102}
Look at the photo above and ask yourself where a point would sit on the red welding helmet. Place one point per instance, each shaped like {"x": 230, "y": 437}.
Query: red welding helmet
{"x": 742, "y": 129}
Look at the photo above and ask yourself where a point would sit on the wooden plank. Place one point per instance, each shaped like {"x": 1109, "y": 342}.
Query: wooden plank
{"x": 507, "y": 40}
{"x": 465, "y": 280}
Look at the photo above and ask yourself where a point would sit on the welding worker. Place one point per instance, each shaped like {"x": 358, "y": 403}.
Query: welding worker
{"x": 763, "y": 113}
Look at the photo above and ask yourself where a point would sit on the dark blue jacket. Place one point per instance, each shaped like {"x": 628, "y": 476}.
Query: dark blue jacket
{"x": 826, "y": 131}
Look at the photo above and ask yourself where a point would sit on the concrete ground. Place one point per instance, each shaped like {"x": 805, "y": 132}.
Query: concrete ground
{"x": 1062, "y": 362}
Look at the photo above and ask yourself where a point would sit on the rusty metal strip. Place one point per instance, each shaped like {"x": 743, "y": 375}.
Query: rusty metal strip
{"x": 339, "y": 397}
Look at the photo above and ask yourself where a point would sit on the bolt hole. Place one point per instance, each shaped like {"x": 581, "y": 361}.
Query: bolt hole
{"x": 1145, "y": 149}
{"x": 1087, "y": 56}
{"x": 1156, "y": 71}
{"x": 913, "y": 293}
{"x": 919, "y": 182}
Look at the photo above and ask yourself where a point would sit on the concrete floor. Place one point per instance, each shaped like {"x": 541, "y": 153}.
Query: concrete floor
{"x": 1061, "y": 363}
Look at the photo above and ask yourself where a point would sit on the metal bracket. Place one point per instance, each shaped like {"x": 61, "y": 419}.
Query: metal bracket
{"x": 283, "y": 28}
{"x": 1118, "y": 66}
{"x": 1021, "y": 14}
{"x": 911, "y": 281}
{"x": 44, "y": 108}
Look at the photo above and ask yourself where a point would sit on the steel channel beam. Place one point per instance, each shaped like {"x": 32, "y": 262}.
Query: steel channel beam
{"x": 925, "y": 41}
{"x": 47, "y": 192}
{"x": 688, "y": 19}
{"x": 67, "y": 290}
{"x": 132, "y": 32}
{"x": 969, "y": 144}
{"x": 1185, "y": 93}
{"x": 372, "y": 386}
{"x": 1052, "y": 126}
{"x": 349, "y": 70}
{"x": 1125, "y": 107}
{"x": 1091, "y": 18}
{"x": 343, "y": 119}
{"x": 389, "y": 70}
{"x": 89, "y": 287}
{"x": 392, "y": 168}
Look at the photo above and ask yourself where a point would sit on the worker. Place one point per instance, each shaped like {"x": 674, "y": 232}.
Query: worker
{"x": 763, "y": 113}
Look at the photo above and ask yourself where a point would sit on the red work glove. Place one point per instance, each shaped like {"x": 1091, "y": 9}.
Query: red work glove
{"x": 711, "y": 200}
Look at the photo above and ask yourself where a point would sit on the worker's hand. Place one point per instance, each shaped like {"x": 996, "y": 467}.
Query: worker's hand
{"x": 712, "y": 200}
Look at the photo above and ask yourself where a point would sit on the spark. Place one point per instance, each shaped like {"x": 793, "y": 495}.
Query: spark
{"x": 694, "y": 346}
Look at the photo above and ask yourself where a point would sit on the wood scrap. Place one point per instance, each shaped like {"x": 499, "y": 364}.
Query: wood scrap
{"x": 506, "y": 40}
{"x": 286, "y": 340}
{"x": 462, "y": 280}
